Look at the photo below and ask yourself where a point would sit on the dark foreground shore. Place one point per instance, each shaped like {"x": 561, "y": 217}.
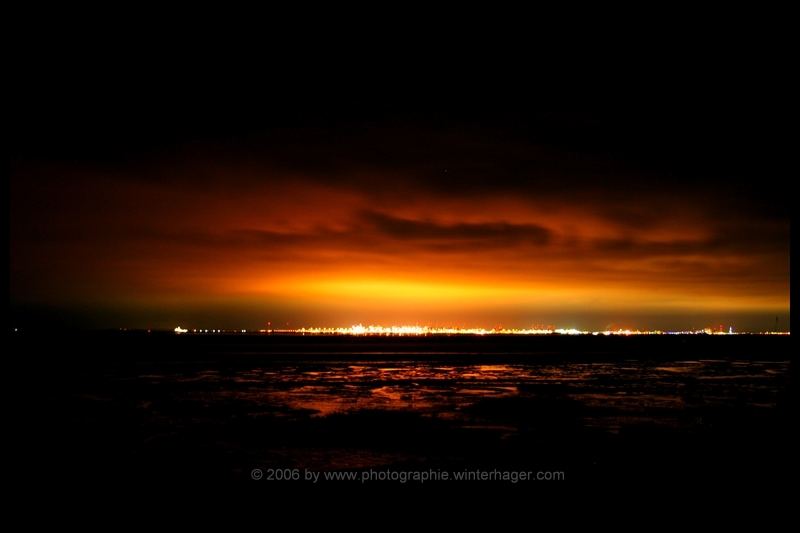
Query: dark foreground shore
{"x": 340, "y": 410}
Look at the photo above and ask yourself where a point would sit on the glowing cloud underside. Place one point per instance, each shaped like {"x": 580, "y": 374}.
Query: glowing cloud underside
{"x": 267, "y": 244}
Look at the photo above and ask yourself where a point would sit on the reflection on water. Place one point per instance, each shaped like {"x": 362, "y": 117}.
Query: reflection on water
{"x": 416, "y": 412}
{"x": 612, "y": 393}
{"x": 600, "y": 409}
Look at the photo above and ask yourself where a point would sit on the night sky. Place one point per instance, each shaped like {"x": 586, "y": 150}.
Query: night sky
{"x": 140, "y": 202}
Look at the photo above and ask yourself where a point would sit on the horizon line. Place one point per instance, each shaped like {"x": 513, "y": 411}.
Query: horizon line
{"x": 405, "y": 330}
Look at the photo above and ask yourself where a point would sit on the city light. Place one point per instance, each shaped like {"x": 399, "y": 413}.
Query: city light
{"x": 416, "y": 330}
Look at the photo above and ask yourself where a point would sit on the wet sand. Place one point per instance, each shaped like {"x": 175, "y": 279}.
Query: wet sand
{"x": 621, "y": 410}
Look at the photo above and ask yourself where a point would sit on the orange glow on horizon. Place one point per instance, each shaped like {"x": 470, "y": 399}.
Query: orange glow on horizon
{"x": 286, "y": 244}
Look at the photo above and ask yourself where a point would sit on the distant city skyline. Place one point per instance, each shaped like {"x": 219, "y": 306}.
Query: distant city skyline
{"x": 408, "y": 330}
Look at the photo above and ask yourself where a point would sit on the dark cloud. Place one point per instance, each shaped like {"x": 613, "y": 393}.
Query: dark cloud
{"x": 426, "y": 231}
